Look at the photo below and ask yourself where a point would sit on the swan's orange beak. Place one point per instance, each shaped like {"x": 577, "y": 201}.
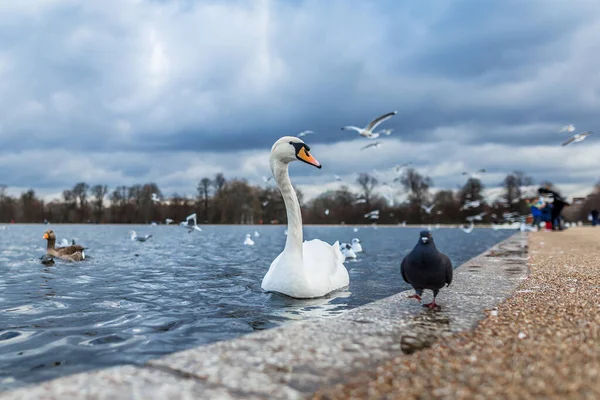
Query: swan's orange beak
{"x": 45, "y": 236}
{"x": 305, "y": 156}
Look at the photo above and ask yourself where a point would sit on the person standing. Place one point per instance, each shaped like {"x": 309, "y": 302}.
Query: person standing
{"x": 594, "y": 213}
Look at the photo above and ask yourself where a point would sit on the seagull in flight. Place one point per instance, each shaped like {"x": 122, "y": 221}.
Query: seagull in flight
{"x": 578, "y": 137}
{"x": 374, "y": 145}
{"x": 368, "y": 130}
{"x": 399, "y": 167}
{"x": 477, "y": 174}
{"x": 386, "y": 132}
{"x": 567, "y": 128}
{"x": 304, "y": 133}
{"x": 471, "y": 204}
{"x": 337, "y": 177}
{"x": 267, "y": 179}
{"x": 469, "y": 229}
{"x": 427, "y": 209}
{"x": 190, "y": 223}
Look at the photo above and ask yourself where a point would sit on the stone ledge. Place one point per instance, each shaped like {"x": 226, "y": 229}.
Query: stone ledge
{"x": 294, "y": 360}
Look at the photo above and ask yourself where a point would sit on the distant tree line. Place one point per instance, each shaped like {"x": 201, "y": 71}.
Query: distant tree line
{"x": 235, "y": 201}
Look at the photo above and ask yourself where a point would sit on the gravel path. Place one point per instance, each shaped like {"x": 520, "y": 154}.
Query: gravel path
{"x": 543, "y": 342}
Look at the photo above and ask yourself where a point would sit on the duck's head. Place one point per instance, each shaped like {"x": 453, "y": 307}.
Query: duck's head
{"x": 49, "y": 235}
{"x": 290, "y": 148}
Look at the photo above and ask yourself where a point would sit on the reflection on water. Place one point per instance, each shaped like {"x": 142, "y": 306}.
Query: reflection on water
{"x": 134, "y": 301}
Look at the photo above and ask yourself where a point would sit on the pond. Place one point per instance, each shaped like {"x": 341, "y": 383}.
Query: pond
{"x": 131, "y": 301}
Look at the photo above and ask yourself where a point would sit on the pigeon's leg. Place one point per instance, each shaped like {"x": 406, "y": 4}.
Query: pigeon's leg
{"x": 417, "y": 295}
{"x": 432, "y": 305}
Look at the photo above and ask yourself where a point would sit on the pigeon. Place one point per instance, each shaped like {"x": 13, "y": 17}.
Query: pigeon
{"x": 368, "y": 130}
{"x": 578, "y": 137}
{"x": 426, "y": 268}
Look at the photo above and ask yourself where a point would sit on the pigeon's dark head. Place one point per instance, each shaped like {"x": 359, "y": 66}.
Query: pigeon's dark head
{"x": 426, "y": 237}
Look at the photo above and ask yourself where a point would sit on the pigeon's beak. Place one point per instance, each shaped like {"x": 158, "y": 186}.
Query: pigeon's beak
{"x": 425, "y": 239}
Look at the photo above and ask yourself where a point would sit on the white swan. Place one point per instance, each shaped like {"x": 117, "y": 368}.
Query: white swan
{"x": 356, "y": 246}
{"x": 302, "y": 270}
{"x": 248, "y": 241}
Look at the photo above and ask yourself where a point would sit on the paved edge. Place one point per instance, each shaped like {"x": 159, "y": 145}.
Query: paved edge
{"x": 294, "y": 360}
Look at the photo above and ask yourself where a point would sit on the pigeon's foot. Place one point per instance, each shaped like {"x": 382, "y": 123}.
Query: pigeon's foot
{"x": 415, "y": 296}
{"x": 432, "y": 306}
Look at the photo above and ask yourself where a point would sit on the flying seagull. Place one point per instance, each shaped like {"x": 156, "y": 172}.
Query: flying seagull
{"x": 477, "y": 174}
{"x": 400, "y": 166}
{"x": 267, "y": 179}
{"x": 374, "y": 145}
{"x": 304, "y": 133}
{"x": 190, "y": 223}
{"x": 427, "y": 209}
{"x": 386, "y": 132}
{"x": 567, "y": 128}
{"x": 426, "y": 268}
{"x": 578, "y": 137}
{"x": 368, "y": 130}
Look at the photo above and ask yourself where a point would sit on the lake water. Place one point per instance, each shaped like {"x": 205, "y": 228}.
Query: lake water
{"x": 131, "y": 301}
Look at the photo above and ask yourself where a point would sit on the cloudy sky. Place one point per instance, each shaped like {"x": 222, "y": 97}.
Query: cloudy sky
{"x": 131, "y": 91}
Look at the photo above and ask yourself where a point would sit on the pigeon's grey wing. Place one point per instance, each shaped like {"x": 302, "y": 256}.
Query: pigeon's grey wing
{"x": 570, "y": 140}
{"x": 447, "y": 269}
{"x": 373, "y": 124}
{"x": 402, "y": 270}
{"x": 352, "y": 128}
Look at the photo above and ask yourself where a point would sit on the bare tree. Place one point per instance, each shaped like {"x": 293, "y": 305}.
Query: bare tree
{"x": 203, "y": 195}
{"x": 219, "y": 182}
{"x": 367, "y": 184}
{"x": 99, "y": 192}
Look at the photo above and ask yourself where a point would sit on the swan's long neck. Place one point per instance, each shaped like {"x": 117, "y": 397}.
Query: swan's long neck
{"x": 294, "y": 239}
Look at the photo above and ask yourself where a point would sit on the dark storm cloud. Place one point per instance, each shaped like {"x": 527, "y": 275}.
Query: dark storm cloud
{"x": 157, "y": 81}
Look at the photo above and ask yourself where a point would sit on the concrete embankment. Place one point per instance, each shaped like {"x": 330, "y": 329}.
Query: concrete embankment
{"x": 295, "y": 360}
{"x": 542, "y": 342}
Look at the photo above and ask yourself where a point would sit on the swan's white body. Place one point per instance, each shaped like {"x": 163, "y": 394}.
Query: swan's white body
{"x": 356, "y": 246}
{"x": 303, "y": 269}
{"x": 248, "y": 241}
{"x": 347, "y": 251}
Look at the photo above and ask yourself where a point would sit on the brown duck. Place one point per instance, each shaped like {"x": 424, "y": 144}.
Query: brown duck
{"x": 69, "y": 253}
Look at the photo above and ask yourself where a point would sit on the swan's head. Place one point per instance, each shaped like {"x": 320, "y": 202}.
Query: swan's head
{"x": 289, "y": 148}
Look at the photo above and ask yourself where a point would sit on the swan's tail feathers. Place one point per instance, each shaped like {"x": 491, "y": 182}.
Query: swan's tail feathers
{"x": 338, "y": 254}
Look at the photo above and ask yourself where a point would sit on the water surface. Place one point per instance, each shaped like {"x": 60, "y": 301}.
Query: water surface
{"x": 132, "y": 301}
